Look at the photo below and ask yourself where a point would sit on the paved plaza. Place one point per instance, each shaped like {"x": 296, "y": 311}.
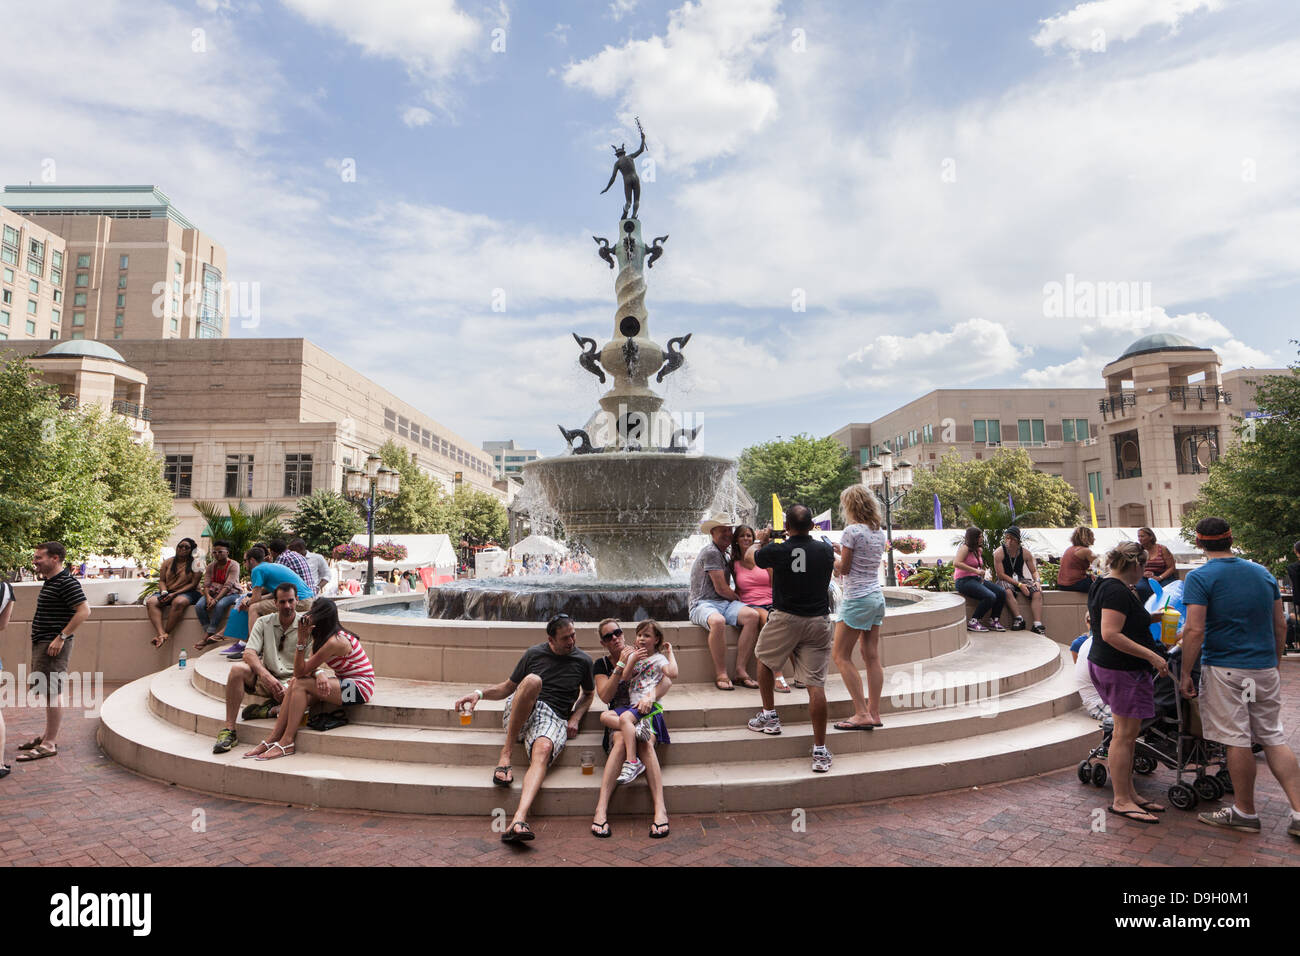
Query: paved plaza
{"x": 81, "y": 809}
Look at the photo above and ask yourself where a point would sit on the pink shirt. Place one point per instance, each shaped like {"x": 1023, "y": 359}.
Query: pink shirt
{"x": 754, "y": 587}
{"x": 975, "y": 559}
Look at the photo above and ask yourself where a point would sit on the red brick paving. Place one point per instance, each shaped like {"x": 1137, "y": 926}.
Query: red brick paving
{"x": 81, "y": 809}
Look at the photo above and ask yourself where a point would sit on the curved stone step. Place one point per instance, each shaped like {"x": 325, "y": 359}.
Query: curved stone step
{"x": 135, "y": 737}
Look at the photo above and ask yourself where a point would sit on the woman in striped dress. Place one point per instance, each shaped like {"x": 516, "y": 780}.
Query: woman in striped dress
{"x": 352, "y": 681}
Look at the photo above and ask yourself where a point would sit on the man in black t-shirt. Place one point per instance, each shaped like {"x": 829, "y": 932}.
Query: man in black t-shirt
{"x": 799, "y": 627}
{"x": 540, "y": 711}
{"x": 60, "y": 609}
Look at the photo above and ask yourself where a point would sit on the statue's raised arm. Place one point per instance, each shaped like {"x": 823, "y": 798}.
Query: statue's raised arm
{"x": 641, "y": 148}
{"x": 623, "y": 163}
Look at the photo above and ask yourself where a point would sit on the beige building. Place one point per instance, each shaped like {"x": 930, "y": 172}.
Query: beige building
{"x": 267, "y": 421}
{"x": 32, "y": 273}
{"x": 91, "y": 373}
{"x": 135, "y": 266}
{"x": 1140, "y": 445}
{"x": 508, "y": 460}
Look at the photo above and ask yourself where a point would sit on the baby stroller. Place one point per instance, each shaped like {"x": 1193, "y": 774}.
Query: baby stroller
{"x": 1173, "y": 739}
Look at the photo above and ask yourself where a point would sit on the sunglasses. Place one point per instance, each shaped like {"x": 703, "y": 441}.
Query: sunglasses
{"x": 617, "y": 632}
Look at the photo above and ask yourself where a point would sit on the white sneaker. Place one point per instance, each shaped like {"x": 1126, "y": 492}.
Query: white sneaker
{"x": 631, "y": 770}
{"x": 821, "y": 760}
{"x": 765, "y": 723}
{"x": 643, "y": 729}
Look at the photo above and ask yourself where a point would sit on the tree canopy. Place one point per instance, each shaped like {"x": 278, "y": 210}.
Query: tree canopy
{"x": 1252, "y": 485}
{"x": 799, "y": 470}
{"x": 1049, "y": 501}
{"x": 325, "y": 519}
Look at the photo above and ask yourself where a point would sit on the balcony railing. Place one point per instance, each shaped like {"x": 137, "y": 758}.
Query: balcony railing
{"x": 132, "y": 410}
{"x": 1200, "y": 394}
{"x": 1115, "y": 404}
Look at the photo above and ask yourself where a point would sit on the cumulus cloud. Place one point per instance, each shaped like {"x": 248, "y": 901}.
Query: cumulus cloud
{"x": 1093, "y": 25}
{"x": 696, "y": 79}
{"x": 621, "y": 8}
{"x": 414, "y": 116}
{"x": 968, "y": 351}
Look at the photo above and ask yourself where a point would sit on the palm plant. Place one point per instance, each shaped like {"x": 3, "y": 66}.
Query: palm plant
{"x": 241, "y": 527}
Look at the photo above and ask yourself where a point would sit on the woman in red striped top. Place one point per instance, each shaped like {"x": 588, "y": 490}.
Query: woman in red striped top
{"x": 353, "y": 680}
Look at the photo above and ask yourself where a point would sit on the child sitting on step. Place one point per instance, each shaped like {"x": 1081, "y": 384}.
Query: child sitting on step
{"x": 645, "y": 664}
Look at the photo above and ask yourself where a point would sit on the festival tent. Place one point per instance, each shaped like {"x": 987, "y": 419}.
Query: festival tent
{"x": 433, "y": 551}
{"x": 539, "y": 544}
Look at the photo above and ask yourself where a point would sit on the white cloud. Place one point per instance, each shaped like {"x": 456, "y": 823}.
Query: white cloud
{"x": 618, "y": 9}
{"x": 969, "y": 351}
{"x": 1236, "y": 354}
{"x": 430, "y": 37}
{"x": 693, "y": 85}
{"x": 560, "y": 33}
{"x": 414, "y": 116}
{"x": 1081, "y": 372}
{"x": 1094, "y": 25}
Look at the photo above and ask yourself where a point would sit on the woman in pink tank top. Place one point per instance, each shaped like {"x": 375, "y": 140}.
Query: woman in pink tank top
{"x": 322, "y": 643}
{"x": 754, "y": 585}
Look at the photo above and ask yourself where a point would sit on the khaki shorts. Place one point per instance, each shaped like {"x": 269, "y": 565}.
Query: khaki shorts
{"x": 806, "y": 641}
{"x": 256, "y": 686}
{"x": 53, "y": 668}
{"x": 1240, "y": 707}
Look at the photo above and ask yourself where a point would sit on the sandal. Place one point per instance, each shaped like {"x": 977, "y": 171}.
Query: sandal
{"x": 32, "y": 744}
{"x": 724, "y": 680}
{"x": 846, "y": 725}
{"x": 748, "y": 682}
{"x": 257, "y": 751}
{"x": 519, "y": 832}
{"x": 37, "y": 753}
{"x": 503, "y": 776}
{"x": 160, "y": 640}
{"x": 600, "y": 830}
{"x": 1138, "y": 816}
{"x": 1150, "y": 806}
{"x": 658, "y": 831}
{"x": 288, "y": 751}
{"x": 208, "y": 641}
{"x": 781, "y": 687}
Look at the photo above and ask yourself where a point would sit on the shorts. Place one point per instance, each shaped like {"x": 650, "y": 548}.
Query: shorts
{"x": 352, "y": 692}
{"x": 657, "y": 724}
{"x": 1127, "y": 693}
{"x": 54, "y": 669}
{"x": 806, "y": 641}
{"x": 542, "y": 722}
{"x": 730, "y": 610}
{"x": 865, "y": 612}
{"x": 1240, "y": 707}
{"x": 1015, "y": 588}
{"x": 259, "y": 688}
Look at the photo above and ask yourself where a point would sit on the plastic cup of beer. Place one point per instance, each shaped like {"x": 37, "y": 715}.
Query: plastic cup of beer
{"x": 588, "y": 762}
{"x": 466, "y": 716}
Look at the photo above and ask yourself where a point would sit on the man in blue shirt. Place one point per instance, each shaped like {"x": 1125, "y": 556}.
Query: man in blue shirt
{"x": 264, "y": 577}
{"x": 1234, "y": 608}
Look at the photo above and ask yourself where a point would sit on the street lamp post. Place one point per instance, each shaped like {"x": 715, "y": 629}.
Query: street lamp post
{"x": 877, "y": 476}
{"x": 363, "y": 484}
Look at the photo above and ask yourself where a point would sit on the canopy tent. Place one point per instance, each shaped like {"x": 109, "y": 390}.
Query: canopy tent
{"x": 539, "y": 544}
{"x": 422, "y": 551}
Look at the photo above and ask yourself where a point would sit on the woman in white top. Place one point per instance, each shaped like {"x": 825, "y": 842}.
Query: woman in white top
{"x": 863, "y": 610}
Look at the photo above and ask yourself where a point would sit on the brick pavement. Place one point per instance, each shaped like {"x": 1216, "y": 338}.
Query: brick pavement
{"x": 81, "y": 809}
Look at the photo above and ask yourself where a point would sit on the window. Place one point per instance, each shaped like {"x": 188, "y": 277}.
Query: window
{"x": 83, "y": 280}
{"x": 211, "y": 316}
{"x": 7, "y": 296}
{"x": 58, "y": 295}
{"x": 390, "y": 419}
{"x": 117, "y": 335}
{"x": 9, "y": 275}
{"x": 121, "y": 301}
{"x": 178, "y": 472}
{"x": 1030, "y": 431}
{"x": 121, "y": 281}
{"x": 297, "y": 475}
{"x": 35, "y": 257}
{"x": 118, "y": 321}
{"x": 31, "y": 327}
{"x": 1094, "y": 485}
{"x": 56, "y": 316}
{"x": 33, "y": 286}
{"x": 1074, "y": 429}
{"x": 175, "y": 326}
{"x": 927, "y": 433}
{"x": 4, "y": 336}
{"x": 78, "y": 298}
{"x": 124, "y": 263}
{"x": 83, "y": 261}
{"x": 4, "y": 319}
{"x": 78, "y": 335}
{"x": 31, "y": 306}
{"x": 9, "y": 250}
{"x": 56, "y": 266}
{"x": 988, "y": 430}
{"x": 239, "y": 476}
{"x": 78, "y": 318}
{"x": 178, "y": 267}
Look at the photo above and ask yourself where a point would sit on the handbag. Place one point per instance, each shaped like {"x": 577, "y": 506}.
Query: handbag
{"x": 328, "y": 721}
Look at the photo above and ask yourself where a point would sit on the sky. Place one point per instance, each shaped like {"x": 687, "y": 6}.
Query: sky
{"x": 864, "y": 200}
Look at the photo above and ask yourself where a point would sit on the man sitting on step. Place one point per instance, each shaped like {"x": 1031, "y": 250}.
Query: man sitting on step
{"x": 543, "y": 710}
{"x": 266, "y": 666}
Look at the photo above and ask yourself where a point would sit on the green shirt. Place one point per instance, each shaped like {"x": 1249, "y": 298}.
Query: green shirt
{"x": 275, "y": 645}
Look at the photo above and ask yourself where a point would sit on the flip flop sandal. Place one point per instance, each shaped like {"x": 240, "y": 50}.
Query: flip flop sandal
{"x": 157, "y": 643}
{"x": 208, "y": 641}
{"x": 503, "y": 777}
{"x": 658, "y": 831}
{"x": 781, "y": 687}
{"x": 600, "y": 830}
{"x": 845, "y": 725}
{"x": 518, "y": 833}
{"x": 36, "y": 753}
{"x": 1134, "y": 815}
{"x": 719, "y": 682}
{"x": 32, "y": 744}
{"x": 748, "y": 682}
{"x": 1151, "y": 806}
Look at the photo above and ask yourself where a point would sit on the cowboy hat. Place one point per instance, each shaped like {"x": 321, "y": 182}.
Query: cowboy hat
{"x": 715, "y": 520}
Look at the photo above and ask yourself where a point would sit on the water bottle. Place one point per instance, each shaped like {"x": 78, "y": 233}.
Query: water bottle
{"x": 181, "y": 662}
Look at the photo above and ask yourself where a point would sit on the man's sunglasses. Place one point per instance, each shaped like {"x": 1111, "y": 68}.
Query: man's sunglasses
{"x": 617, "y": 632}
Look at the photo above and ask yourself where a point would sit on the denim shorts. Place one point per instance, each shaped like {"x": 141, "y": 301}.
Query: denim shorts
{"x": 863, "y": 613}
{"x": 730, "y": 610}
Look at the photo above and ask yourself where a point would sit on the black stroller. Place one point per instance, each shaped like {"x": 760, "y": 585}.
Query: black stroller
{"x": 1173, "y": 739}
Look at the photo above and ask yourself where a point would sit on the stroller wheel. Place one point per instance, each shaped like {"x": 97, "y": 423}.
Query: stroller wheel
{"x": 1208, "y": 788}
{"x": 1182, "y": 796}
{"x": 1225, "y": 780}
{"x": 1085, "y": 772}
{"x": 1144, "y": 764}
{"x": 1099, "y": 775}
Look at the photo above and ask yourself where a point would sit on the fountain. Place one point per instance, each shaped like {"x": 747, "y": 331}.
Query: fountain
{"x": 630, "y": 486}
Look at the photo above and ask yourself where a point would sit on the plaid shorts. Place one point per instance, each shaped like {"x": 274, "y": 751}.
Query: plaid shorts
{"x": 542, "y": 722}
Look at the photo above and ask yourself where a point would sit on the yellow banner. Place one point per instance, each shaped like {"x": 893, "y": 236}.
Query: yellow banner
{"x": 1092, "y": 506}
{"x": 778, "y": 514}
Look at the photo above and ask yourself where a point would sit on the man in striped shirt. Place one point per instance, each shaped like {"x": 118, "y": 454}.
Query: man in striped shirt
{"x": 60, "y": 609}
{"x": 294, "y": 561}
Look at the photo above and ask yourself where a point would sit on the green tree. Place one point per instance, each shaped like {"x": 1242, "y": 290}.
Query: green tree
{"x": 1050, "y": 500}
{"x": 477, "y": 517}
{"x": 242, "y": 527}
{"x": 798, "y": 470}
{"x": 139, "y": 514}
{"x": 29, "y": 415}
{"x": 420, "y": 506}
{"x": 325, "y": 519}
{"x": 1252, "y": 485}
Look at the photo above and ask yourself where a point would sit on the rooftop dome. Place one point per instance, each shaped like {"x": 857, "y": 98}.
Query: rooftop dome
{"x": 85, "y": 347}
{"x": 1161, "y": 342}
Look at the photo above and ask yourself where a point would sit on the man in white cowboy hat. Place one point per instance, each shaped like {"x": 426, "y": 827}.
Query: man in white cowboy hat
{"x": 714, "y": 603}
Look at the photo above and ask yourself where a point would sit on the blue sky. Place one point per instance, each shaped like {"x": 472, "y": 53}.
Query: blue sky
{"x": 919, "y": 171}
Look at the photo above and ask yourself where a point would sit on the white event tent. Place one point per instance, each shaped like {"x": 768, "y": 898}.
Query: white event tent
{"x": 539, "y": 544}
{"x": 422, "y": 551}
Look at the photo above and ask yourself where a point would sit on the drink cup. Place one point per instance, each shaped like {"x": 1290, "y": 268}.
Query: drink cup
{"x": 1169, "y": 626}
{"x": 588, "y": 763}
{"x": 466, "y": 717}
